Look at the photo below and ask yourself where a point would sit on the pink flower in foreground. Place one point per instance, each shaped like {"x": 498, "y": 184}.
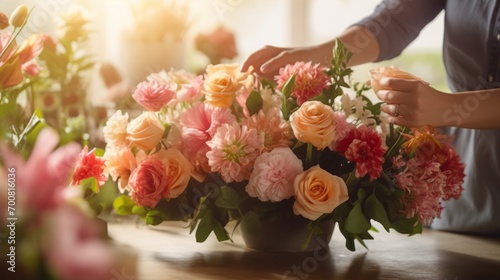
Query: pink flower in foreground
{"x": 41, "y": 178}
{"x": 74, "y": 248}
{"x": 87, "y": 166}
{"x": 234, "y": 149}
{"x": 364, "y": 146}
{"x": 187, "y": 86}
{"x": 153, "y": 95}
{"x": 277, "y": 132}
{"x": 199, "y": 124}
{"x": 310, "y": 80}
{"x": 273, "y": 175}
{"x": 148, "y": 182}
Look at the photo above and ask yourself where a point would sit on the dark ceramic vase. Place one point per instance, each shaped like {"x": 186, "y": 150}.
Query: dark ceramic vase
{"x": 286, "y": 234}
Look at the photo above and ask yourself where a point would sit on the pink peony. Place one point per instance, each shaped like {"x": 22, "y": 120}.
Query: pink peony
{"x": 277, "y": 132}
{"x": 148, "y": 182}
{"x": 273, "y": 175}
{"x": 153, "y": 95}
{"x": 364, "y": 146}
{"x": 309, "y": 80}
{"x": 199, "y": 124}
{"x": 234, "y": 149}
{"x": 47, "y": 171}
{"x": 87, "y": 166}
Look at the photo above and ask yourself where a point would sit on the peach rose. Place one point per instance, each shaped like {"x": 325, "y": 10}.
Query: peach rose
{"x": 390, "y": 72}
{"x": 178, "y": 170}
{"x": 145, "y": 131}
{"x": 148, "y": 182}
{"x": 244, "y": 78}
{"x": 314, "y": 122}
{"x": 318, "y": 192}
{"x": 220, "y": 89}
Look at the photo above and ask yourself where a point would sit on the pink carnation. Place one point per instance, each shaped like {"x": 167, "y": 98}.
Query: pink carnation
{"x": 87, "y": 166}
{"x": 273, "y": 175}
{"x": 309, "y": 80}
{"x": 199, "y": 124}
{"x": 234, "y": 149}
{"x": 342, "y": 128}
{"x": 276, "y": 131}
{"x": 148, "y": 182}
{"x": 364, "y": 146}
{"x": 152, "y": 95}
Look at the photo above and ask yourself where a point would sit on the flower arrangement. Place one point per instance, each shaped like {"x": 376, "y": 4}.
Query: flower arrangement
{"x": 227, "y": 146}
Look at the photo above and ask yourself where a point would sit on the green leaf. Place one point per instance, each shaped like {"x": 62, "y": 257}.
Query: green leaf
{"x": 154, "y": 217}
{"x": 99, "y": 152}
{"x": 90, "y": 183}
{"x": 254, "y": 102}
{"x": 205, "y": 227}
{"x": 408, "y": 226}
{"x": 376, "y": 211}
{"x": 356, "y": 221}
{"x": 139, "y": 210}
{"x": 228, "y": 198}
{"x": 220, "y": 232}
{"x": 123, "y": 205}
{"x": 288, "y": 86}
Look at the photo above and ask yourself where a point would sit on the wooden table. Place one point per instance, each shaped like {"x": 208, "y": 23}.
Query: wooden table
{"x": 169, "y": 252}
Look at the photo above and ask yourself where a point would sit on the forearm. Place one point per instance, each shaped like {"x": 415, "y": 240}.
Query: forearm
{"x": 473, "y": 109}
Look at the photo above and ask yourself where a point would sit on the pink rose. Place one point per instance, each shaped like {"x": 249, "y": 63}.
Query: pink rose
{"x": 318, "y": 192}
{"x": 177, "y": 169}
{"x": 145, "y": 131}
{"x": 273, "y": 175}
{"x": 148, "y": 182}
{"x": 153, "y": 95}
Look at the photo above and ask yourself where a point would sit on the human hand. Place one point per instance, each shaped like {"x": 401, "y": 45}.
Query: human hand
{"x": 268, "y": 60}
{"x": 412, "y": 103}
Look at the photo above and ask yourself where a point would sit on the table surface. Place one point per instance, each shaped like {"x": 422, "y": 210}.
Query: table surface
{"x": 169, "y": 252}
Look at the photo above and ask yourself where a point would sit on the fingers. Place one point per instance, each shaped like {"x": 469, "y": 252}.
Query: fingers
{"x": 399, "y": 84}
{"x": 392, "y": 97}
{"x": 395, "y": 110}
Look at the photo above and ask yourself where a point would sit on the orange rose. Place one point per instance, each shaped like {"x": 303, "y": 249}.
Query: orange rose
{"x": 390, "y": 72}
{"x": 314, "y": 122}
{"x": 145, "y": 131}
{"x": 318, "y": 192}
{"x": 244, "y": 78}
{"x": 220, "y": 89}
{"x": 178, "y": 170}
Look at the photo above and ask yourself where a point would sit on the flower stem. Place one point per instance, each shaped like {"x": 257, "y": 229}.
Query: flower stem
{"x": 13, "y": 36}
{"x": 309, "y": 155}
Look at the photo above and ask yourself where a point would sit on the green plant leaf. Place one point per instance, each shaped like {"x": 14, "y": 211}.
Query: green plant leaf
{"x": 205, "y": 227}
{"x": 90, "y": 183}
{"x": 228, "y": 198}
{"x": 288, "y": 87}
{"x": 154, "y": 217}
{"x": 356, "y": 221}
{"x": 254, "y": 102}
{"x": 376, "y": 211}
{"x": 139, "y": 210}
{"x": 123, "y": 205}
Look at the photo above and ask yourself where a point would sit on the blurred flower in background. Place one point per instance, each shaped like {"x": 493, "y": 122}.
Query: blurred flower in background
{"x": 217, "y": 45}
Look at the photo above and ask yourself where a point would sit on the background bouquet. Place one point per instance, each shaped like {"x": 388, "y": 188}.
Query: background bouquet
{"x": 228, "y": 146}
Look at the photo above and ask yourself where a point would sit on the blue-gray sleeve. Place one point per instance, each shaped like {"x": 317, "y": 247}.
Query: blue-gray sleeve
{"x": 396, "y": 23}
